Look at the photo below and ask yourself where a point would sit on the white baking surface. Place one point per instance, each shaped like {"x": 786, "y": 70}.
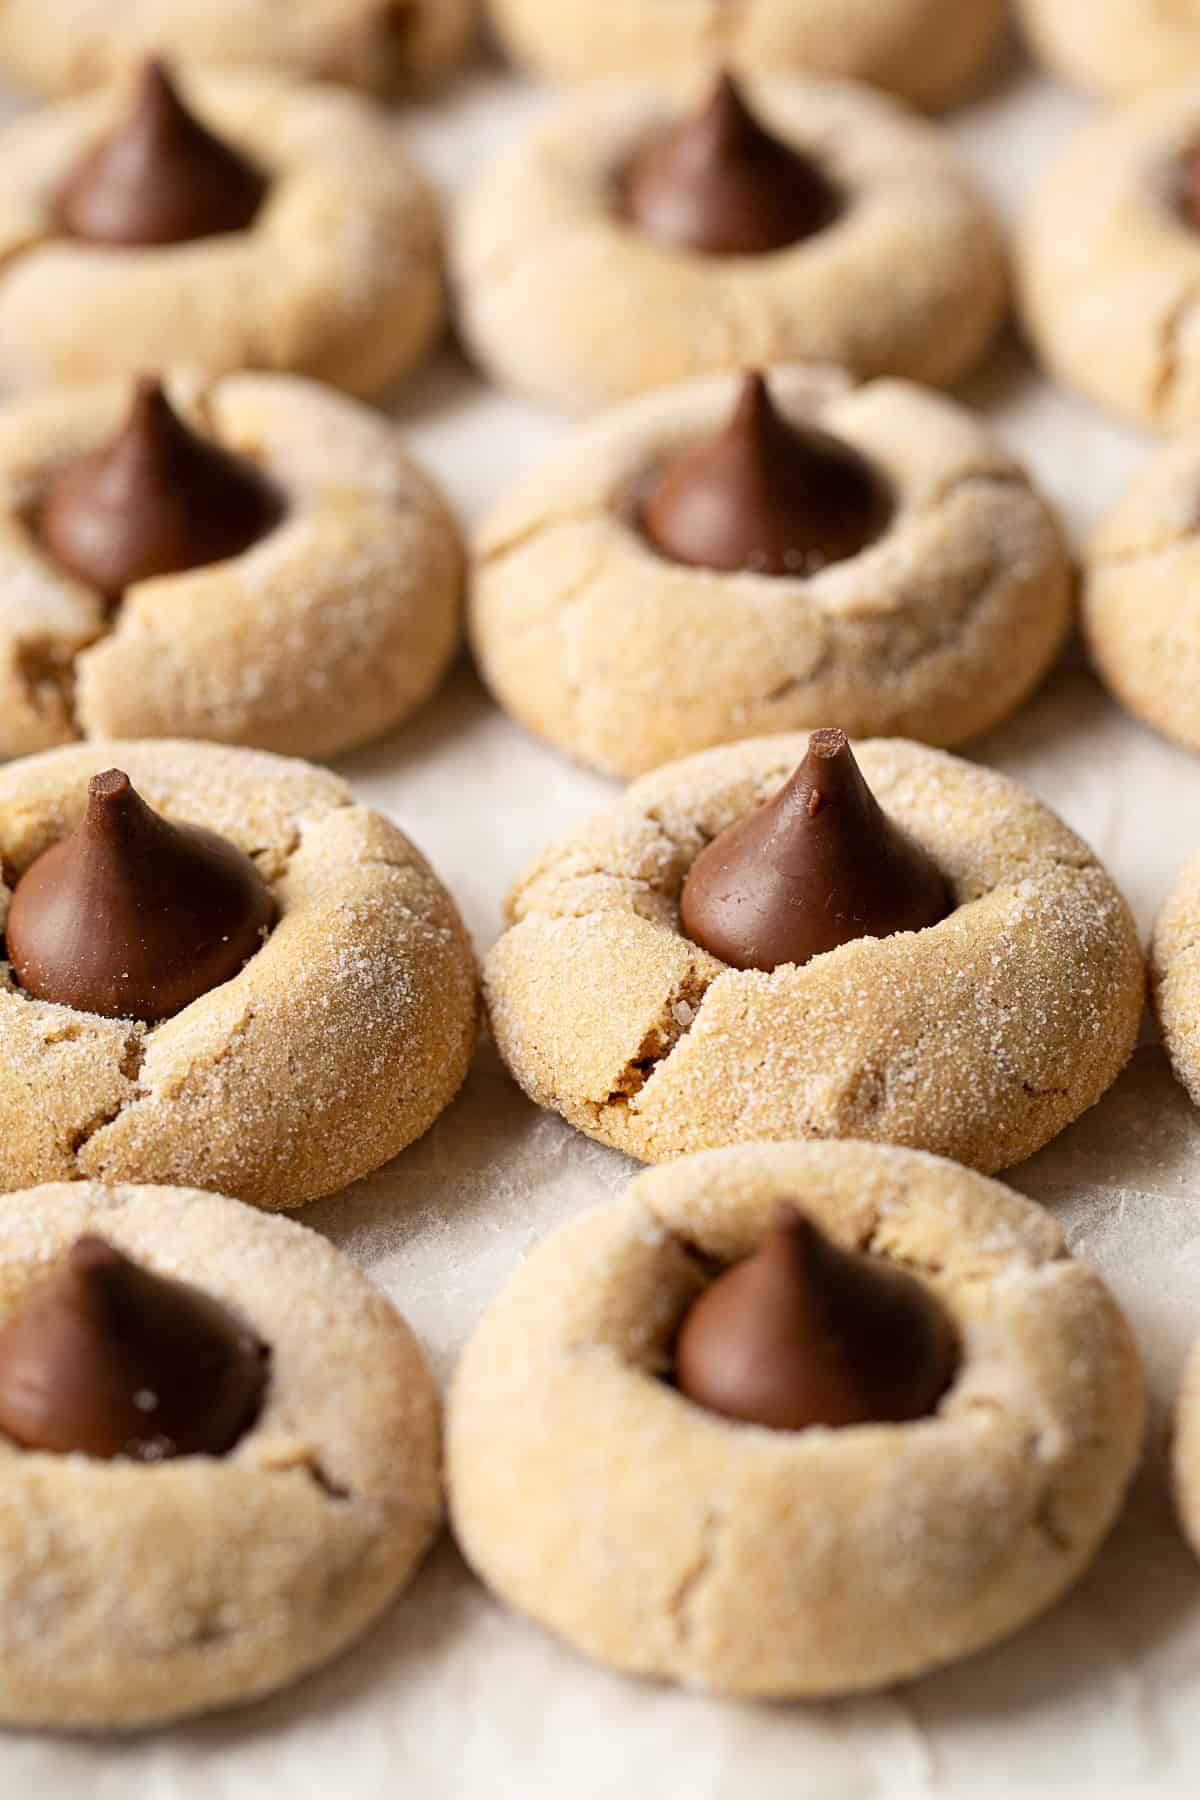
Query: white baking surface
{"x": 452, "y": 1697}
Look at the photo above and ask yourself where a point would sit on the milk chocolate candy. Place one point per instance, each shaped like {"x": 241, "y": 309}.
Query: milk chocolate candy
{"x": 133, "y": 916}
{"x": 804, "y": 1333}
{"x": 161, "y": 178}
{"x": 156, "y": 500}
{"x": 107, "y": 1359}
{"x": 819, "y": 865}
{"x": 721, "y": 185}
{"x": 766, "y": 494}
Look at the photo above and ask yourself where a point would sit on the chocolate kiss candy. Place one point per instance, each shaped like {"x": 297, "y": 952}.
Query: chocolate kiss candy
{"x": 155, "y": 500}
{"x": 161, "y": 179}
{"x": 765, "y": 495}
{"x": 132, "y": 916}
{"x": 107, "y": 1359}
{"x": 722, "y": 185}
{"x": 816, "y": 866}
{"x": 804, "y": 1333}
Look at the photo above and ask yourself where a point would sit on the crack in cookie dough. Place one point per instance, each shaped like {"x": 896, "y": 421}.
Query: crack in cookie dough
{"x": 681, "y": 1010}
{"x": 129, "y": 1066}
{"x": 689, "y": 1593}
{"x": 338, "y": 1042}
{"x": 980, "y": 1038}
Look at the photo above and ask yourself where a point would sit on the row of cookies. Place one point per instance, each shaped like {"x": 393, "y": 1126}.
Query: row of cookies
{"x": 929, "y": 52}
{"x": 812, "y": 220}
{"x": 256, "y": 560}
{"x": 957, "y": 971}
{"x": 789, "y": 1420}
{"x": 219, "y": 970}
{"x": 306, "y": 1004}
{"x": 76, "y": 657}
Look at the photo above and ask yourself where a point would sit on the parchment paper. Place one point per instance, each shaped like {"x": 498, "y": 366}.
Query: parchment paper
{"x": 452, "y": 1698}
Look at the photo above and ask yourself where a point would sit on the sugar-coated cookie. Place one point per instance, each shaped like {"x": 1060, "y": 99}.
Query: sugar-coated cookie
{"x": 1140, "y": 610}
{"x": 929, "y": 52}
{"x": 1175, "y": 976}
{"x": 336, "y": 272}
{"x": 1109, "y": 255}
{"x": 1118, "y": 46}
{"x": 669, "y": 1540}
{"x": 979, "y": 1036}
{"x": 330, "y": 627}
{"x": 933, "y": 621}
{"x": 892, "y": 266}
{"x": 65, "y": 46}
{"x": 156, "y": 1583}
{"x": 340, "y": 1040}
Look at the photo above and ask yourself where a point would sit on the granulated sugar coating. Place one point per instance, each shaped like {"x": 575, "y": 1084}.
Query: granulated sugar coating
{"x": 660, "y": 1537}
{"x": 979, "y": 1038}
{"x": 338, "y": 277}
{"x": 936, "y": 631}
{"x": 329, "y": 630}
{"x": 140, "y": 1594}
{"x": 338, "y": 1043}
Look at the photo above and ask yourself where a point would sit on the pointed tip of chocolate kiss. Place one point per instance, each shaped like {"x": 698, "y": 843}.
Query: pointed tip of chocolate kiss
{"x": 803, "y": 1333}
{"x": 818, "y": 866}
{"x": 161, "y": 178}
{"x": 105, "y": 1358}
{"x": 133, "y": 916}
{"x": 766, "y": 495}
{"x": 156, "y": 499}
{"x": 110, "y": 784}
{"x": 721, "y": 184}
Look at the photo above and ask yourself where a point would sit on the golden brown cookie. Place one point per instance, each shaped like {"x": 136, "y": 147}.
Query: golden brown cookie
{"x": 978, "y": 1038}
{"x": 134, "y": 1591}
{"x": 908, "y": 278}
{"x": 67, "y": 46}
{"x": 329, "y": 631}
{"x": 930, "y": 52}
{"x": 1140, "y": 614}
{"x": 1186, "y": 1450}
{"x": 1175, "y": 976}
{"x": 1109, "y": 260}
{"x": 338, "y": 1043}
{"x": 936, "y": 630}
{"x": 1118, "y": 46}
{"x": 337, "y": 276}
{"x": 657, "y": 1536}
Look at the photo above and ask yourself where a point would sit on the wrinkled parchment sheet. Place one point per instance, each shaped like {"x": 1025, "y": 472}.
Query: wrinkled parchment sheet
{"x": 452, "y": 1697}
